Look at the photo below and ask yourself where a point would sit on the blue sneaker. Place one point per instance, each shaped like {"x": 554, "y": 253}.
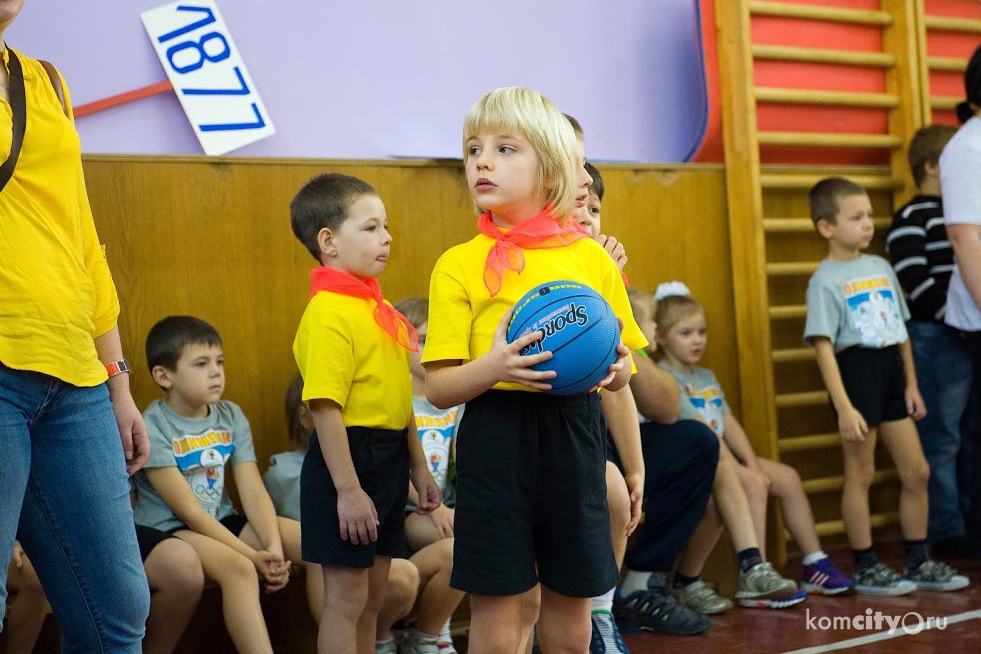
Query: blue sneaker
{"x": 823, "y": 578}
{"x": 606, "y": 637}
{"x": 655, "y": 610}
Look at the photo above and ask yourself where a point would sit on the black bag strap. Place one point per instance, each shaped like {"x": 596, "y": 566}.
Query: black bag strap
{"x": 18, "y": 105}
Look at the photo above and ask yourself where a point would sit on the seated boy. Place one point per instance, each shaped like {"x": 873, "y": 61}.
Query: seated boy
{"x": 195, "y": 436}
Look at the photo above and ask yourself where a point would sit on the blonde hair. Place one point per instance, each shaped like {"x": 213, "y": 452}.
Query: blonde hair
{"x": 415, "y": 309}
{"x": 670, "y": 310}
{"x": 529, "y": 114}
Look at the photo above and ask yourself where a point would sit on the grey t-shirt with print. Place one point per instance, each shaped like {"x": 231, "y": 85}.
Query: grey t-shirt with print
{"x": 702, "y": 398}
{"x": 201, "y": 449}
{"x": 857, "y": 302}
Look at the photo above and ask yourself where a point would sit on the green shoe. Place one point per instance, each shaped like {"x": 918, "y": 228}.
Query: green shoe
{"x": 699, "y": 596}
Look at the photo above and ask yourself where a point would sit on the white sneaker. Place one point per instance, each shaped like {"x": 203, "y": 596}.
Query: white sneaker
{"x": 417, "y": 642}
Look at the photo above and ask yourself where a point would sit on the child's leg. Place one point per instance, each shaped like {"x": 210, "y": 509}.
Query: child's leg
{"x": 619, "y": 501}
{"x": 564, "y": 624}
{"x": 785, "y": 485}
{"x": 345, "y": 599}
{"x": 176, "y": 580}
{"x": 902, "y": 440}
{"x": 289, "y": 534}
{"x": 733, "y": 506}
{"x": 495, "y": 624}
{"x": 403, "y": 587}
{"x": 28, "y": 611}
{"x": 419, "y": 532}
{"x": 757, "y": 489}
{"x": 437, "y": 600}
{"x": 377, "y": 594}
{"x": 859, "y": 467}
{"x": 239, "y": 582}
{"x": 701, "y": 543}
{"x": 531, "y": 606}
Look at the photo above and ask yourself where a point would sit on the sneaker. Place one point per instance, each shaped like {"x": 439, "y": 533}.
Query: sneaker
{"x": 657, "y": 611}
{"x": 606, "y": 637}
{"x": 386, "y": 646}
{"x": 417, "y": 642}
{"x": 699, "y": 596}
{"x": 762, "y": 587}
{"x": 936, "y": 575}
{"x": 823, "y": 578}
{"x": 879, "y": 579}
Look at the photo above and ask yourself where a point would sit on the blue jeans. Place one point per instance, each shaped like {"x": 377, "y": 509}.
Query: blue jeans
{"x": 943, "y": 371}
{"x": 65, "y": 494}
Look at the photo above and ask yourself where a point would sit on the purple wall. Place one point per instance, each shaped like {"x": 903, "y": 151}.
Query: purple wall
{"x": 394, "y": 78}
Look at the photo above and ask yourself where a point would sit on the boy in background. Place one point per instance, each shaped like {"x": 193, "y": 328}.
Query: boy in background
{"x": 196, "y": 436}
{"x": 855, "y": 315}
{"x": 352, "y": 348}
{"x": 923, "y": 260}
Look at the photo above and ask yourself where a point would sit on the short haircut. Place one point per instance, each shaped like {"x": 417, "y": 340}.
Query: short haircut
{"x": 576, "y": 127}
{"x": 529, "y": 114}
{"x": 597, "y": 186}
{"x": 165, "y": 342}
{"x": 826, "y": 194}
{"x": 639, "y": 300}
{"x": 323, "y": 202}
{"x": 415, "y": 309}
{"x": 292, "y": 402}
{"x": 670, "y": 310}
{"x": 925, "y": 148}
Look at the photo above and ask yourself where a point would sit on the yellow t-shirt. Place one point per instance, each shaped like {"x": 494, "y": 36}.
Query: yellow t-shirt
{"x": 346, "y": 357}
{"x": 463, "y": 316}
{"x": 56, "y": 293}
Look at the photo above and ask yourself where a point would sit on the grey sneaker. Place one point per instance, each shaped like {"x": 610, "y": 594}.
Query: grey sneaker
{"x": 699, "y": 596}
{"x": 879, "y": 579}
{"x": 418, "y": 643}
{"x": 386, "y": 646}
{"x": 935, "y": 575}
{"x": 762, "y": 587}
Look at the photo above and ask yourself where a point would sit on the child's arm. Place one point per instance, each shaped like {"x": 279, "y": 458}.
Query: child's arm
{"x": 173, "y": 489}
{"x": 620, "y": 411}
{"x": 449, "y": 383}
{"x": 851, "y": 424}
{"x": 914, "y": 401}
{"x": 261, "y": 514}
{"x": 655, "y": 391}
{"x": 427, "y": 491}
{"x": 356, "y": 513}
{"x": 738, "y": 442}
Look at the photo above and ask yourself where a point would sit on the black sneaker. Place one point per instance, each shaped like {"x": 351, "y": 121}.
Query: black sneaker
{"x": 655, "y": 610}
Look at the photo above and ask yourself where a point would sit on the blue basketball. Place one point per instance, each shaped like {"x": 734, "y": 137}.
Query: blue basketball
{"x": 580, "y": 330}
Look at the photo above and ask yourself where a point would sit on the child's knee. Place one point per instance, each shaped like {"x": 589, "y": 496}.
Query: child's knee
{"x": 619, "y": 501}
{"x": 756, "y": 485}
{"x": 917, "y": 477}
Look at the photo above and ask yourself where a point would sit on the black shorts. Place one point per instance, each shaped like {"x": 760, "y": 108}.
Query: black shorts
{"x": 875, "y": 382}
{"x": 531, "y": 496}
{"x": 148, "y": 538}
{"x": 381, "y": 459}
{"x": 233, "y": 522}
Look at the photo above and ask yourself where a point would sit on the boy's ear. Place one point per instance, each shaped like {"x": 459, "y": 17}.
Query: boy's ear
{"x": 824, "y": 227}
{"x": 305, "y": 417}
{"x": 162, "y": 377}
{"x": 932, "y": 168}
{"x": 325, "y": 239}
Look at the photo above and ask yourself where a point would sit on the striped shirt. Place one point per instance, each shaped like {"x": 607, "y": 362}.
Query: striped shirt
{"x": 921, "y": 255}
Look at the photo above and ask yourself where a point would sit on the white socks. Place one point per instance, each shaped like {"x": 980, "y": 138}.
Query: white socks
{"x": 604, "y": 602}
{"x": 634, "y": 581}
{"x": 814, "y": 557}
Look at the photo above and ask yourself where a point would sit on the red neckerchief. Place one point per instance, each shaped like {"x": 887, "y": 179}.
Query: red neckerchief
{"x": 388, "y": 318}
{"x": 542, "y": 231}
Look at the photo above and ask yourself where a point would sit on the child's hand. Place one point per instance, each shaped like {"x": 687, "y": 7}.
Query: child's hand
{"x": 273, "y": 570}
{"x": 635, "y": 487}
{"x": 614, "y": 248}
{"x": 511, "y": 366}
{"x": 427, "y": 489}
{"x": 852, "y": 425}
{"x": 442, "y": 517}
{"x": 915, "y": 404}
{"x": 357, "y": 517}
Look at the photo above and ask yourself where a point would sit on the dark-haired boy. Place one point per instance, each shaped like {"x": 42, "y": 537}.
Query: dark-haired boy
{"x": 855, "y": 323}
{"x": 196, "y": 436}
{"x": 923, "y": 260}
{"x": 352, "y": 348}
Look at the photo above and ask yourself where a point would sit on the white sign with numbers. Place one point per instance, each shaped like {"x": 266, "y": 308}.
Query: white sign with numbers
{"x": 208, "y": 75}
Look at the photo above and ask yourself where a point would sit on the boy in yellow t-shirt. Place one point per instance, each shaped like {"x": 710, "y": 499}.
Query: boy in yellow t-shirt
{"x": 352, "y": 348}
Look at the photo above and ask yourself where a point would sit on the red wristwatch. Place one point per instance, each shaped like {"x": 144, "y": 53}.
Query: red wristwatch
{"x": 117, "y": 367}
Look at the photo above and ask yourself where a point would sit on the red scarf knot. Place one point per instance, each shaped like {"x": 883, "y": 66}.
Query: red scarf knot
{"x": 387, "y": 317}
{"x": 541, "y": 231}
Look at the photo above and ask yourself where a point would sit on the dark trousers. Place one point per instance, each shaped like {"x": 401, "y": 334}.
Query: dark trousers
{"x": 972, "y": 448}
{"x": 680, "y": 461}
